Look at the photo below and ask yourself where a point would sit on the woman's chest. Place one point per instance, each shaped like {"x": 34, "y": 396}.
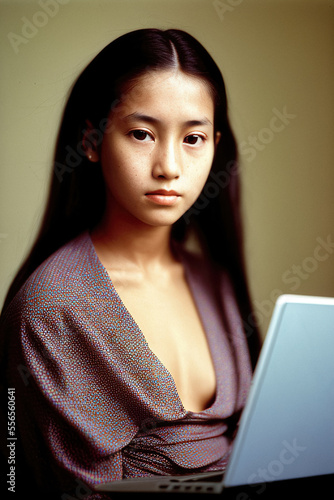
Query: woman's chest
{"x": 170, "y": 322}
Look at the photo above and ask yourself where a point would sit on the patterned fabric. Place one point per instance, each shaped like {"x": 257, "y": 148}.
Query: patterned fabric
{"x": 94, "y": 403}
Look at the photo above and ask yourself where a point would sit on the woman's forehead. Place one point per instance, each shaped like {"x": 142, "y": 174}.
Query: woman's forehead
{"x": 163, "y": 93}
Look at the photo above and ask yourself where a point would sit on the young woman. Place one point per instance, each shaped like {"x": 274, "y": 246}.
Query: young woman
{"x": 124, "y": 330}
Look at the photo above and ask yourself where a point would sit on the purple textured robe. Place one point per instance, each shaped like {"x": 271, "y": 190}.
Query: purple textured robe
{"x": 94, "y": 403}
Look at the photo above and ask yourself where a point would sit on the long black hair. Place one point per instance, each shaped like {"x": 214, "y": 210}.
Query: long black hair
{"x": 77, "y": 193}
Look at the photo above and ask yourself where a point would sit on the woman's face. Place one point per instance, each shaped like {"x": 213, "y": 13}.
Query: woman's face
{"x": 158, "y": 149}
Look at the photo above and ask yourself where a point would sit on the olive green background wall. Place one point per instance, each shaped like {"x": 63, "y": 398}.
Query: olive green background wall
{"x": 277, "y": 59}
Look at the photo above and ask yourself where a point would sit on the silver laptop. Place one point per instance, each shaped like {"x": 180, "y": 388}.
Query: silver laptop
{"x": 287, "y": 427}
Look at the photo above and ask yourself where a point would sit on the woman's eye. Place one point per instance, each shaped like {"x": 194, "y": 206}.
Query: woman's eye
{"x": 141, "y": 135}
{"x": 194, "y": 139}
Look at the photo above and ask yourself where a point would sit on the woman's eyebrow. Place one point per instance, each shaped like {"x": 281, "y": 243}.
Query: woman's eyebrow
{"x": 153, "y": 120}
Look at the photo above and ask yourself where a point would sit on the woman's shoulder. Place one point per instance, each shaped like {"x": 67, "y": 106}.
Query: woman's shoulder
{"x": 61, "y": 275}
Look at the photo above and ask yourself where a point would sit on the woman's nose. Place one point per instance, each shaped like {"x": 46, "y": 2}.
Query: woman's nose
{"x": 166, "y": 161}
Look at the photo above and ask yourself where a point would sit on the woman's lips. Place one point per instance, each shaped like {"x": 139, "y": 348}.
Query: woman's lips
{"x": 163, "y": 197}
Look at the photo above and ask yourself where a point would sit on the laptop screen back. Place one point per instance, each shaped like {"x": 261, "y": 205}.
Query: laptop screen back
{"x": 287, "y": 428}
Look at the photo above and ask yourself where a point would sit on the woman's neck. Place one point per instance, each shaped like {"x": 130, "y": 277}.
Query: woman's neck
{"x": 125, "y": 243}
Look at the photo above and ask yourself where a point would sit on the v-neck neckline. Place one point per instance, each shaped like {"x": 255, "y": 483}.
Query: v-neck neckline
{"x": 157, "y": 360}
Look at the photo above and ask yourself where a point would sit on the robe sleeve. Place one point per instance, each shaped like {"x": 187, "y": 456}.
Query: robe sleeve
{"x": 69, "y": 396}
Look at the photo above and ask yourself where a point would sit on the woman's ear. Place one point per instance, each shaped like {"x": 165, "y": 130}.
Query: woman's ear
{"x": 90, "y": 143}
{"x": 217, "y": 138}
